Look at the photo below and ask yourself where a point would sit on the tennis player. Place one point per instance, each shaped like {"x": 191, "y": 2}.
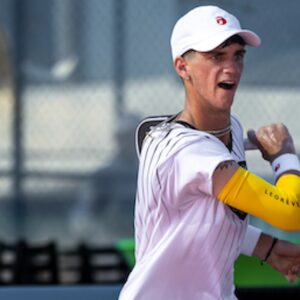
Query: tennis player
{"x": 194, "y": 192}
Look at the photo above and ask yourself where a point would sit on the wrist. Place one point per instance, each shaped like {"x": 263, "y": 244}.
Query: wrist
{"x": 285, "y": 162}
{"x": 268, "y": 254}
{"x": 263, "y": 245}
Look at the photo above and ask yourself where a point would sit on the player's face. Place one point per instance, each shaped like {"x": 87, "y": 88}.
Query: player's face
{"x": 215, "y": 75}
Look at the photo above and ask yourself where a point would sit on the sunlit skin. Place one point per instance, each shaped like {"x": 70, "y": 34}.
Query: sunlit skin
{"x": 204, "y": 74}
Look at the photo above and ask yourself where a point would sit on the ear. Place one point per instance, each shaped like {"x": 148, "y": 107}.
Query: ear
{"x": 181, "y": 67}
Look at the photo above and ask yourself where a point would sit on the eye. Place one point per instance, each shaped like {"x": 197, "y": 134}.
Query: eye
{"x": 217, "y": 57}
{"x": 239, "y": 56}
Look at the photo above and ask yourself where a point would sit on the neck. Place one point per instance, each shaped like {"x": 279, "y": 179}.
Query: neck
{"x": 216, "y": 124}
{"x": 213, "y": 122}
{"x": 220, "y": 132}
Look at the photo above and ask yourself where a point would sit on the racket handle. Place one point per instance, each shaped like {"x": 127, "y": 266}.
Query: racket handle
{"x": 248, "y": 145}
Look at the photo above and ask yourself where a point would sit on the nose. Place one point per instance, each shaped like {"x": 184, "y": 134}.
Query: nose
{"x": 233, "y": 67}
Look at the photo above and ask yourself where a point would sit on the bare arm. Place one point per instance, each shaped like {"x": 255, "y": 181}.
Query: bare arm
{"x": 284, "y": 257}
{"x": 222, "y": 174}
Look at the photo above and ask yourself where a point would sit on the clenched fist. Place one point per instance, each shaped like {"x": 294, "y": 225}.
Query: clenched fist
{"x": 272, "y": 140}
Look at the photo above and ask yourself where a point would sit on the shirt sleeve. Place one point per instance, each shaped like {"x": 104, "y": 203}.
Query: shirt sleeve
{"x": 190, "y": 170}
{"x": 250, "y": 240}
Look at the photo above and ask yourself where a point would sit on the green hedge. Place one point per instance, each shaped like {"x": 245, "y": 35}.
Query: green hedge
{"x": 248, "y": 270}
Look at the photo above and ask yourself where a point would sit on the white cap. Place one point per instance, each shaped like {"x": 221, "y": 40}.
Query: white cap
{"x": 206, "y": 27}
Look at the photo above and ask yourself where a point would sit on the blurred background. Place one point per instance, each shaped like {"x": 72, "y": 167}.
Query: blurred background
{"x": 75, "y": 79}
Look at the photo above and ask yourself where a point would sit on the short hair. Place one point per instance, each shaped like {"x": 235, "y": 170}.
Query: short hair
{"x": 234, "y": 39}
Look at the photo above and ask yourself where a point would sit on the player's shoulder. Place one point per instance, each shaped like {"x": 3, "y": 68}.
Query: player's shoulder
{"x": 172, "y": 136}
{"x": 177, "y": 132}
{"x": 182, "y": 138}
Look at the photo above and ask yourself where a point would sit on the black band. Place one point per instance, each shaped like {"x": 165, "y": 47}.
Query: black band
{"x": 270, "y": 250}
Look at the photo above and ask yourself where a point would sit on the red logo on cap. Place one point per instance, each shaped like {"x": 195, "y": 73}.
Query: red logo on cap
{"x": 221, "y": 20}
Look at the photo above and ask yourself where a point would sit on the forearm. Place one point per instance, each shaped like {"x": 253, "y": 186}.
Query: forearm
{"x": 263, "y": 245}
{"x": 281, "y": 255}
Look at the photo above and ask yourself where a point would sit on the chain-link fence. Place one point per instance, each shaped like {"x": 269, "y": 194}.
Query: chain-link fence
{"x": 76, "y": 78}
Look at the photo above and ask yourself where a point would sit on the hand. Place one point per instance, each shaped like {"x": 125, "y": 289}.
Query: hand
{"x": 290, "y": 277}
{"x": 272, "y": 140}
{"x": 285, "y": 258}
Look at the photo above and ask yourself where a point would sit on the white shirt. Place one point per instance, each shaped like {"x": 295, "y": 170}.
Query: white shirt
{"x": 186, "y": 239}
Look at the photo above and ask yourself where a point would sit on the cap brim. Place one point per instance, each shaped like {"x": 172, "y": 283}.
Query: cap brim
{"x": 250, "y": 38}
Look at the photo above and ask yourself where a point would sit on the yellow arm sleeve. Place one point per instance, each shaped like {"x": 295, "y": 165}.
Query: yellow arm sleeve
{"x": 278, "y": 205}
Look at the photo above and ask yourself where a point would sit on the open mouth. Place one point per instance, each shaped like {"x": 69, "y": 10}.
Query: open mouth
{"x": 226, "y": 85}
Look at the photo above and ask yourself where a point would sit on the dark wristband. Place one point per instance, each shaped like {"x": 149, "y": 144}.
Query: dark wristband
{"x": 270, "y": 251}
